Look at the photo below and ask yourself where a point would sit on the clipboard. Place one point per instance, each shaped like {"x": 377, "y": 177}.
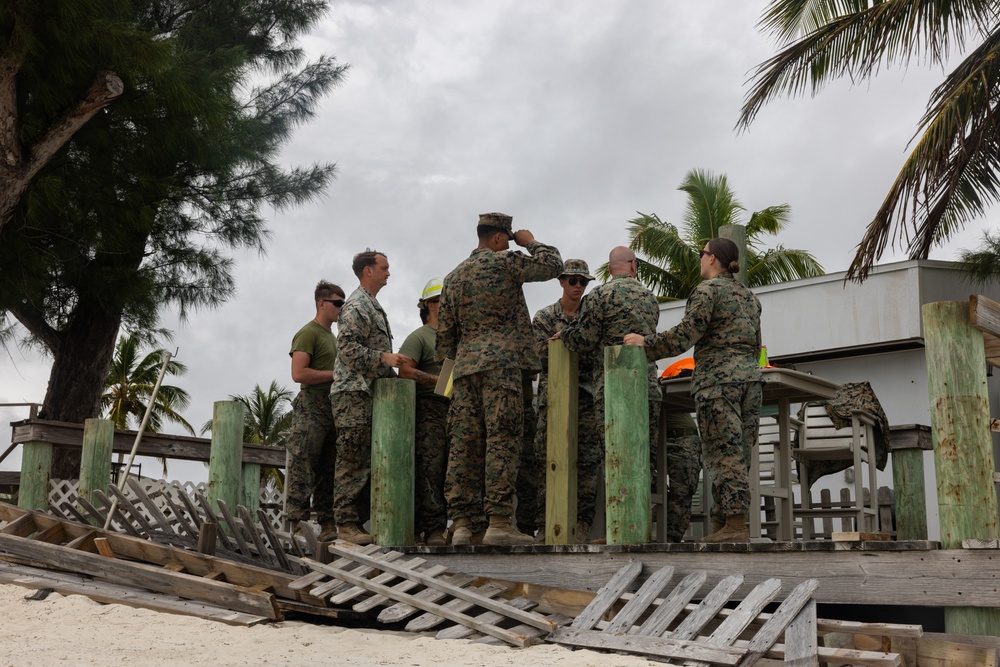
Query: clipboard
{"x": 444, "y": 383}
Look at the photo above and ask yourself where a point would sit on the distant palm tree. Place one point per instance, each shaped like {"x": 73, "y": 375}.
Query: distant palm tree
{"x": 669, "y": 263}
{"x": 267, "y": 417}
{"x": 129, "y": 387}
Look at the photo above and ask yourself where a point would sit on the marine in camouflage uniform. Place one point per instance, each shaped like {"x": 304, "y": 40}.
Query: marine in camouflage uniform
{"x": 364, "y": 354}
{"x": 531, "y": 469}
{"x": 590, "y": 446}
{"x": 684, "y": 467}
{"x": 312, "y": 441}
{"x": 611, "y": 310}
{"x": 722, "y": 322}
{"x": 484, "y": 325}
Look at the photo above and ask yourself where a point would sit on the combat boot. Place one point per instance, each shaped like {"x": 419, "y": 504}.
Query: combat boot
{"x": 350, "y": 532}
{"x": 503, "y": 532}
{"x": 328, "y": 531}
{"x": 436, "y": 538}
{"x": 735, "y": 530}
{"x": 461, "y": 532}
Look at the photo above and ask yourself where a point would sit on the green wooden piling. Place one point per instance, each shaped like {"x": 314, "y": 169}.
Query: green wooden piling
{"x": 738, "y": 235}
{"x": 95, "y": 460}
{"x": 626, "y": 423}
{"x": 36, "y": 464}
{"x": 561, "y": 445}
{"x": 225, "y": 460}
{"x": 907, "y": 448}
{"x": 963, "y": 449}
{"x": 250, "y": 494}
{"x": 393, "y": 422}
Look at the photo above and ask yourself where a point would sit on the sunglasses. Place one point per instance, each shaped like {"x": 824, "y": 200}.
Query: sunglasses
{"x": 702, "y": 253}
{"x": 337, "y": 302}
{"x": 576, "y": 280}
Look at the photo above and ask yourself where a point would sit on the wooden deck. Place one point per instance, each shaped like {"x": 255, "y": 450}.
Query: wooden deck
{"x": 912, "y": 573}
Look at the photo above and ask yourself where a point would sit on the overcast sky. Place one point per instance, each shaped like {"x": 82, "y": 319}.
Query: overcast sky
{"x": 569, "y": 115}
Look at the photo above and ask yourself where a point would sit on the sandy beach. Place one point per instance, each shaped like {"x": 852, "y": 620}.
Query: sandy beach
{"x": 74, "y": 630}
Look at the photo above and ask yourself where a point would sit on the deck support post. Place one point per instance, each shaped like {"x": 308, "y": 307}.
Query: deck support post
{"x": 225, "y": 461}
{"x": 95, "y": 459}
{"x": 36, "y": 467}
{"x": 626, "y": 437}
{"x": 393, "y": 428}
{"x": 963, "y": 449}
{"x": 561, "y": 445}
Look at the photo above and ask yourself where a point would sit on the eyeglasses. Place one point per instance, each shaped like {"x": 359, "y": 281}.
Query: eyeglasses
{"x": 577, "y": 280}
{"x": 337, "y": 302}
{"x": 430, "y": 301}
{"x": 702, "y": 253}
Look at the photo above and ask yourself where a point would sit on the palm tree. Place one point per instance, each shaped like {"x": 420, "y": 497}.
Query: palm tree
{"x": 953, "y": 173}
{"x": 129, "y": 387}
{"x": 267, "y": 417}
{"x": 671, "y": 266}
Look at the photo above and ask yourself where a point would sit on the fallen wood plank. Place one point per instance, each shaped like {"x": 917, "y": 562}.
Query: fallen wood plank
{"x": 109, "y": 593}
{"x": 491, "y": 617}
{"x": 510, "y": 638}
{"x": 731, "y": 628}
{"x": 660, "y": 647}
{"x": 154, "y": 578}
{"x": 779, "y": 620}
{"x": 854, "y": 536}
{"x": 929, "y": 652}
{"x": 403, "y": 587}
{"x": 401, "y": 611}
{"x": 335, "y": 586}
{"x": 558, "y": 619}
{"x": 709, "y": 607}
{"x": 529, "y": 618}
{"x": 430, "y": 620}
{"x": 675, "y": 602}
{"x": 607, "y": 596}
{"x": 801, "y": 646}
{"x": 635, "y": 607}
{"x": 384, "y": 578}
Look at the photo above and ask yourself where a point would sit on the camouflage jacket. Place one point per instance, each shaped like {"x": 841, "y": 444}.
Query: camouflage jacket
{"x": 364, "y": 336}
{"x": 620, "y": 306}
{"x": 483, "y": 321}
{"x": 549, "y": 320}
{"x": 722, "y": 322}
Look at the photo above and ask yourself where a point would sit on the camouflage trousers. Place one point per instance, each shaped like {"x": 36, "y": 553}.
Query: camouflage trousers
{"x": 485, "y": 420}
{"x": 589, "y": 457}
{"x": 312, "y": 449}
{"x": 431, "y": 464}
{"x": 531, "y": 468}
{"x": 684, "y": 468}
{"x": 728, "y": 419}
{"x": 352, "y": 414}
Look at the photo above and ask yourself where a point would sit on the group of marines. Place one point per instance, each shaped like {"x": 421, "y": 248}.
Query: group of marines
{"x": 481, "y": 448}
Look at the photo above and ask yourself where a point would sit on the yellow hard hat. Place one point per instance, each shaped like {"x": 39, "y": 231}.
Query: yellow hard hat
{"x": 431, "y": 289}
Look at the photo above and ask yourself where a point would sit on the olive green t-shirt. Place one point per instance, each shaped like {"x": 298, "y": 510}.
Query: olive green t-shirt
{"x": 321, "y": 346}
{"x": 419, "y": 346}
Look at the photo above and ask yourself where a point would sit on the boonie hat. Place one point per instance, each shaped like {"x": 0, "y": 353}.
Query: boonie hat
{"x": 576, "y": 267}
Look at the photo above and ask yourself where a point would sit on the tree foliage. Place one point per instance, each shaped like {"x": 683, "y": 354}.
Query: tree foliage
{"x": 140, "y": 206}
{"x": 951, "y": 176}
{"x": 669, "y": 261}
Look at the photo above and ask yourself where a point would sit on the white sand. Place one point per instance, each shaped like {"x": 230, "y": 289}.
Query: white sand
{"x": 74, "y": 630}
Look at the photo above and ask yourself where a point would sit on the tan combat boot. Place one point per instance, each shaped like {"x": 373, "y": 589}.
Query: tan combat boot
{"x": 350, "y": 532}
{"x": 503, "y": 532}
{"x": 328, "y": 531}
{"x": 735, "y": 530}
{"x": 436, "y": 538}
{"x": 461, "y": 532}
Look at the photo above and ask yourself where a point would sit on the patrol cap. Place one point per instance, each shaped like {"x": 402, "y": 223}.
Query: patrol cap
{"x": 431, "y": 290}
{"x": 501, "y": 221}
{"x": 576, "y": 267}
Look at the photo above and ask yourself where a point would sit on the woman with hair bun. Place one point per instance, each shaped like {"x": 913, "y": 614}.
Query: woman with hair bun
{"x": 722, "y": 323}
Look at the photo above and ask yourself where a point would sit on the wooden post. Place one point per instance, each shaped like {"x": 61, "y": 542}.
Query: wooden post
{"x": 738, "y": 235}
{"x": 393, "y": 423}
{"x": 250, "y": 494}
{"x": 36, "y": 464}
{"x": 225, "y": 460}
{"x": 561, "y": 445}
{"x": 907, "y": 445}
{"x": 626, "y": 437}
{"x": 95, "y": 461}
{"x": 963, "y": 449}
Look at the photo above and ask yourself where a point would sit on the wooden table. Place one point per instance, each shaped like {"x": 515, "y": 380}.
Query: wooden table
{"x": 782, "y": 388}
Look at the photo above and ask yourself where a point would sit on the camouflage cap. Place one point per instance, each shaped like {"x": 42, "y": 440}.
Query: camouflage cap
{"x": 576, "y": 267}
{"x": 501, "y": 221}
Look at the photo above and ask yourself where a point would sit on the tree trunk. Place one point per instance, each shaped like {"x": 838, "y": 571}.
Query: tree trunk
{"x": 79, "y": 371}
